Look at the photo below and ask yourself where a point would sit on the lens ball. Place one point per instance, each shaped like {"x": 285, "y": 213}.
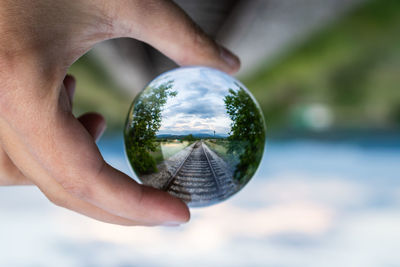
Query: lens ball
{"x": 196, "y": 133}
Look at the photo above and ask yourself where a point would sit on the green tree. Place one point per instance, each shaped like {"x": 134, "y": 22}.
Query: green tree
{"x": 143, "y": 124}
{"x": 189, "y": 138}
{"x": 247, "y": 135}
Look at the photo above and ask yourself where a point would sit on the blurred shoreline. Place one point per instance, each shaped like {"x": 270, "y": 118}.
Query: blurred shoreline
{"x": 362, "y": 136}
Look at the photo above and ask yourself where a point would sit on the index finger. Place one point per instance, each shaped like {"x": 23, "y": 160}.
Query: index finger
{"x": 168, "y": 28}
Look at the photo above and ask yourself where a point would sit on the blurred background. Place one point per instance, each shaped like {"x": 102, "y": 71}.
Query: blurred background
{"x": 327, "y": 193}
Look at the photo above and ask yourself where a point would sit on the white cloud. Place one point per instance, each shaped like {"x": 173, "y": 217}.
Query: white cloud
{"x": 199, "y": 105}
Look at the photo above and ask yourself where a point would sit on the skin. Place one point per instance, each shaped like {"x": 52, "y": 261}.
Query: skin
{"x": 41, "y": 142}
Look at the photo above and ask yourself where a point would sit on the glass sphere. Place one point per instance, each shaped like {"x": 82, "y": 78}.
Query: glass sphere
{"x": 196, "y": 133}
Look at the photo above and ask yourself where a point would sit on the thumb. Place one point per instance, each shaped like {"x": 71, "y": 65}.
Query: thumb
{"x": 169, "y": 29}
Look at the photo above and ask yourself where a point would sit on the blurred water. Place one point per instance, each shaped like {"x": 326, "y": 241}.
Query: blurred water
{"x": 310, "y": 204}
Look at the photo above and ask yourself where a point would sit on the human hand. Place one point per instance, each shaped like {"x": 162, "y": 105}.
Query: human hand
{"x": 41, "y": 142}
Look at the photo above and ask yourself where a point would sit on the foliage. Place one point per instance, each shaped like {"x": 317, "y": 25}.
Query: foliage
{"x": 96, "y": 91}
{"x": 247, "y": 134}
{"x": 351, "y": 67}
{"x": 144, "y": 122}
{"x": 189, "y": 138}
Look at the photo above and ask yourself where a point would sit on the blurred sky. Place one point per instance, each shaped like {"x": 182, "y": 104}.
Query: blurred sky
{"x": 310, "y": 204}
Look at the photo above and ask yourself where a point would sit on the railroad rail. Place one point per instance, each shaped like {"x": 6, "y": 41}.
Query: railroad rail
{"x": 199, "y": 178}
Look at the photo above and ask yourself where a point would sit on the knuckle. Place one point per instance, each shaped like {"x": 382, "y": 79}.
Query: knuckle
{"x": 81, "y": 186}
{"x": 199, "y": 48}
{"x": 76, "y": 188}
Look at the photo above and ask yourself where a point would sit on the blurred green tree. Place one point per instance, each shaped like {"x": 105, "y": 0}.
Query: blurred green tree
{"x": 350, "y": 67}
{"x": 140, "y": 134}
{"x": 247, "y": 135}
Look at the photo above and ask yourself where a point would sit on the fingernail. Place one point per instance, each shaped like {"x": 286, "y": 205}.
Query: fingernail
{"x": 229, "y": 58}
{"x": 101, "y": 130}
{"x": 172, "y": 224}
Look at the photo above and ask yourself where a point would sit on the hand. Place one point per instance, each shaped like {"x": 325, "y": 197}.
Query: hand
{"x": 41, "y": 142}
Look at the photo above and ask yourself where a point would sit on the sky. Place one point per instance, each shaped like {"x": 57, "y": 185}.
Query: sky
{"x": 199, "y": 105}
{"x": 310, "y": 204}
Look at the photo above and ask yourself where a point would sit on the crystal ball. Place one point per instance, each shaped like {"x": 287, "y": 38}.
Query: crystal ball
{"x": 196, "y": 133}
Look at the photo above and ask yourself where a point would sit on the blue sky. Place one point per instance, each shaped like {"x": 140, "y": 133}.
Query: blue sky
{"x": 199, "y": 105}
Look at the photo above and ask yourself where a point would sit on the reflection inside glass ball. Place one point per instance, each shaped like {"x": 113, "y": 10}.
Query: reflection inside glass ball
{"x": 196, "y": 133}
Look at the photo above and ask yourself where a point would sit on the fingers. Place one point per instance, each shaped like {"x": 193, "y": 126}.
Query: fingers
{"x": 94, "y": 123}
{"x": 89, "y": 178}
{"x": 61, "y": 150}
{"x": 165, "y": 26}
{"x": 11, "y": 175}
{"x": 113, "y": 191}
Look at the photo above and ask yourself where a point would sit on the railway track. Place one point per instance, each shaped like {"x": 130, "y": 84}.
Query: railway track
{"x": 200, "y": 178}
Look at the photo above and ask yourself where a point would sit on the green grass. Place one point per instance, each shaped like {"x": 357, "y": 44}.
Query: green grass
{"x": 220, "y": 147}
{"x": 168, "y": 149}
